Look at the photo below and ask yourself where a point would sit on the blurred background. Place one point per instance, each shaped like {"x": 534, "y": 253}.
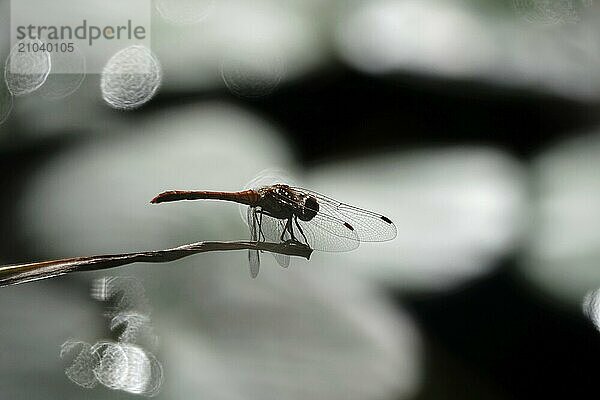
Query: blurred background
{"x": 473, "y": 125}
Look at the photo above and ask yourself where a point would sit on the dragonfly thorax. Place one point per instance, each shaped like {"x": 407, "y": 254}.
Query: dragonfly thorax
{"x": 282, "y": 202}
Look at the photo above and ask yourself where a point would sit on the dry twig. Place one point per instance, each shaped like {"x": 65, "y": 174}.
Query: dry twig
{"x": 22, "y": 273}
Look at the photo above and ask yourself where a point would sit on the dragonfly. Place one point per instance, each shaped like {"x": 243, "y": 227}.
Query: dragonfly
{"x": 286, "y": 214}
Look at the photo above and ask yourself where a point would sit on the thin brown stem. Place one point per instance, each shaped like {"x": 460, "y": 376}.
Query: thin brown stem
{"x": 22, "y": 273}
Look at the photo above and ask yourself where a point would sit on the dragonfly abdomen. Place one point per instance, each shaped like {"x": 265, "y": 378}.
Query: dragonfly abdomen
{"x": 247, "y": 197}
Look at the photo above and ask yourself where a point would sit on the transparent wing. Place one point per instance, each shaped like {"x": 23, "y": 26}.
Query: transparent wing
{"x": 253, "y": 255}
{"x": 323, "y": 233}
{"x": 369, "y": 226}
{"x": 271, "y": 229}
{"x": 254, "y": 261}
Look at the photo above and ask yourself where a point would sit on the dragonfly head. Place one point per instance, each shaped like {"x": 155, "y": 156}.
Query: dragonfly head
{"x": 310, "y": 209}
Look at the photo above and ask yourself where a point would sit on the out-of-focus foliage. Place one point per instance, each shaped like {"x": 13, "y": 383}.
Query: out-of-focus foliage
{"x": 324, "y": 328}
{"x": 458, "y": 210}
{"x": 563, "y": 250}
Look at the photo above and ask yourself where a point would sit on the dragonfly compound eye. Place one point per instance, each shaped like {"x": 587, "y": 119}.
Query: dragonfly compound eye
{"x": 310, "y": 209}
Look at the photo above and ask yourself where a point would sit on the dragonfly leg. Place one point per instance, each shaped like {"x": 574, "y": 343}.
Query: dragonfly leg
{"x": 288, "y": 228}
{"x": 300, "y": 228}
{"x": 261, "y": 233}
{"x": 253, "y": 229}
{"x": 257, "y": 227}
{"x": 291, "y": 228}
{"x": 285, "y": 229}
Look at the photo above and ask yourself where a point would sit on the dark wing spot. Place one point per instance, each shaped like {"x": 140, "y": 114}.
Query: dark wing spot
{"x": 347, "y": 225}
{"x": 386, "y": 219}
